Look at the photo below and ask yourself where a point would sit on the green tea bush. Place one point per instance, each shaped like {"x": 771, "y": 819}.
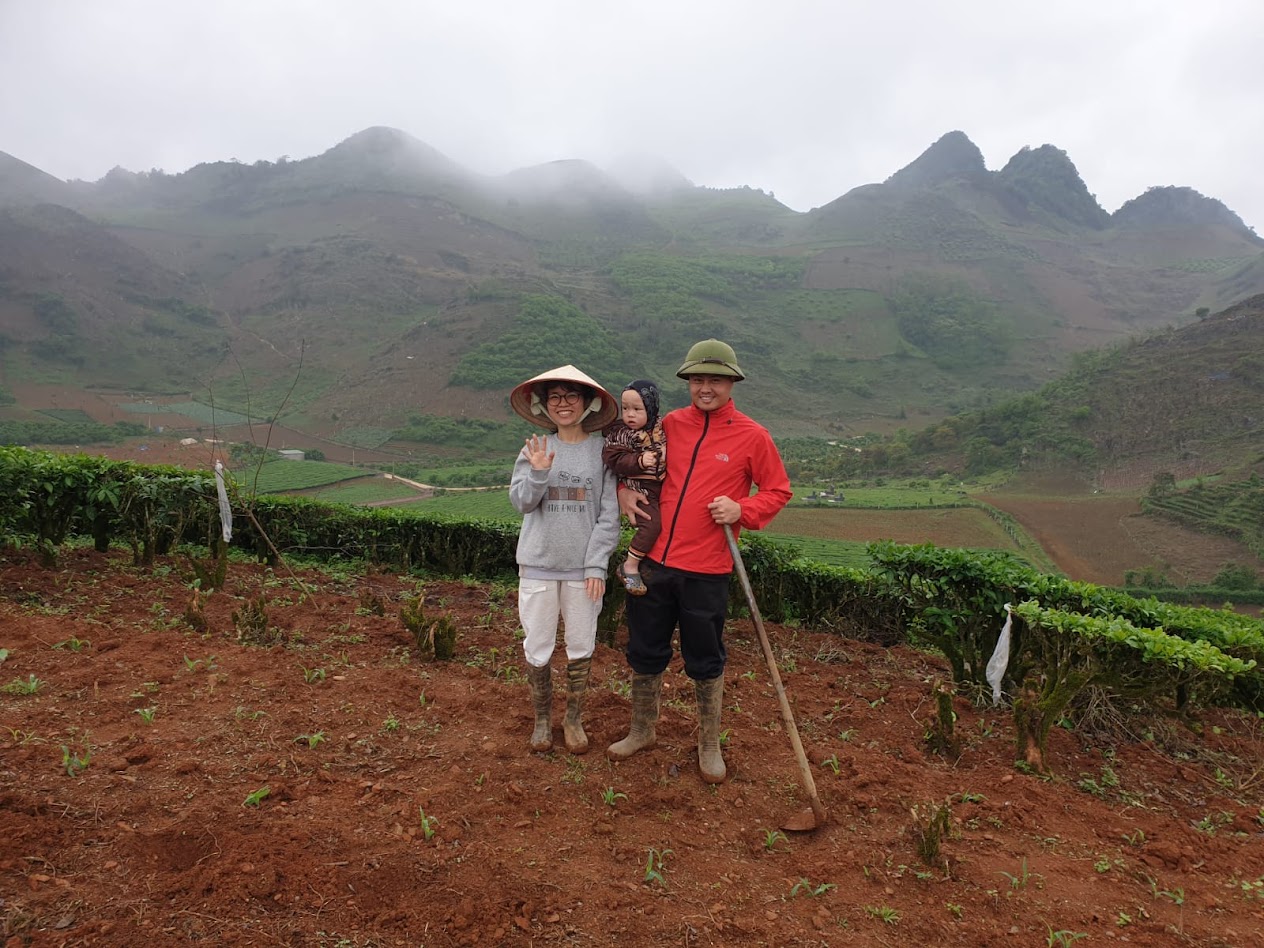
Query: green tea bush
{"x": 1064, "y": 652}
{"x": 1068, "y": 635}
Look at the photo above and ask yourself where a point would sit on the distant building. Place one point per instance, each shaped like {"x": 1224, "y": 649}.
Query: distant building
{"x": 292, "y": 454}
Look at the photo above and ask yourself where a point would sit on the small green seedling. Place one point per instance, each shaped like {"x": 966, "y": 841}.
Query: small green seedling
{"x": 1019, "y": 881}
{"x": 1063, "y": 938}
{"x": 772, "y": 838}
{"x": 804, "y": 887}
{"x": 311, "y": 740}
{"x": 257, "y": 797}
{"x": 883, "y": 912}
{"x": 656, "y": 865}
{"x": 313, "y": 675}
{"x": 428, "y": 824}
{"x": 74, "y": 644}
{"x": 193, "y": 664}
{"x": 391, "y": 724}
{"x": 147, "y": 714}
{"x": 75, "y": 764}
{"x": 4, "y": 653}
{"x": 724, "y": 738}
{"x": 20, "y": 687}
{"x": 832, "y": 763}
{"x": 610, "y": 797}
{"x": 1252, "y": 890}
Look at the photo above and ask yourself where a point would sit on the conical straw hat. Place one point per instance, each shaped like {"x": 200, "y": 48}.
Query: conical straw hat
{"x": 600, "y": 413}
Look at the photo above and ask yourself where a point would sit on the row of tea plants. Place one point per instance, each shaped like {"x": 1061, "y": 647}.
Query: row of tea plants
{"x": 1067, "y": 636}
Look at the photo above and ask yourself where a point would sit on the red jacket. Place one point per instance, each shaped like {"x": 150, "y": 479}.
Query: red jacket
{"x": 714, "y": 453}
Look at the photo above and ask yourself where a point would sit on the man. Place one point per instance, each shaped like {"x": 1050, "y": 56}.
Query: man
{"x": 714, "y": 456}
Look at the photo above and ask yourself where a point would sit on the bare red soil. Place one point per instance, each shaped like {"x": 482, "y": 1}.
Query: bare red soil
{"x": 404, "y": 807}
{"x": 1098, "y": 539}
{"x": 1084, "y": 536}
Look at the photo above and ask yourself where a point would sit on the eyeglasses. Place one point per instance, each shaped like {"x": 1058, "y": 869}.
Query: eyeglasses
{"x": 569, "y": 398}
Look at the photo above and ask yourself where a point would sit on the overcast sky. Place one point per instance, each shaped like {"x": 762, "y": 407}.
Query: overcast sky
{"x": 803, "y": 98}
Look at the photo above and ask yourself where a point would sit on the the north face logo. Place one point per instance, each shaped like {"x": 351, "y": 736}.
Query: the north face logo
{"x": 722, "y": 457}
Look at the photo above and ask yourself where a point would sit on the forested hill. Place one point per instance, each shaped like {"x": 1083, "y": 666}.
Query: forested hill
{"x": 1177, "y": 399}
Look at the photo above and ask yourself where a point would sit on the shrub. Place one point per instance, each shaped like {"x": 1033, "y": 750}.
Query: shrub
{"x": 1063, "y": 653}
{"x": 1235, "y": 576}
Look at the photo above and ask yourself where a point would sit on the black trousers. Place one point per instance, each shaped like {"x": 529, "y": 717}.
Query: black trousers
{"x": 696, "y": 603}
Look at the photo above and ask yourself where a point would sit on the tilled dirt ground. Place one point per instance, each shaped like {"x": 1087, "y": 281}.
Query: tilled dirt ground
{"x": 403, "y": 806}
{"x": 1098, "y": 539}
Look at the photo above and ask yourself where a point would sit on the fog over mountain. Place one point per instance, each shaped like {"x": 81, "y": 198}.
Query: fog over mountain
{"x": 806, "y": 101}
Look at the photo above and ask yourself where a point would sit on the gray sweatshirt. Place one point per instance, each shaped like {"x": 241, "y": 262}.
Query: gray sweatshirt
{"x": 570, "y": 523}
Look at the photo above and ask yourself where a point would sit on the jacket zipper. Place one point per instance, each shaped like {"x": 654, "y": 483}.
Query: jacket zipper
{"x": 680, "y": 502}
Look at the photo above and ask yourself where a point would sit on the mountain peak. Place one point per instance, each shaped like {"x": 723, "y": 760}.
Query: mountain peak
{"x": 1170, "y": 206}
{"x": 385, "y": 146}
{"x": 1047, "y": 178}
{"x": 952, "y": 156}
{"x": 383, "y": 158}
{"x": 378, "y": 138}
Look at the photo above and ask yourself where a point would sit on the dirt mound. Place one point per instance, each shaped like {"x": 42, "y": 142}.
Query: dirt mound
{"x": 403, "y": 807}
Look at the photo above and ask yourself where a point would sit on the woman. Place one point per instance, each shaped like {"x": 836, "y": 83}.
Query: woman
{"x": 570, "y": 528}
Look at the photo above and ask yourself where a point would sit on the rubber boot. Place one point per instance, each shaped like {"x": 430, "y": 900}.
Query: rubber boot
{"x": 710, "y": 700}
{"x": 647, "y": 690}
{"x": 576, "y": 684}
{"x": 541, "y": 681}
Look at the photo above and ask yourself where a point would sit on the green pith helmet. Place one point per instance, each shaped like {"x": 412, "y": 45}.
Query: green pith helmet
{"x": 711, "y": 357}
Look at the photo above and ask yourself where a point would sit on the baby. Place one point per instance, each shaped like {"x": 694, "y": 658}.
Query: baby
{"x": 636, "y": 451}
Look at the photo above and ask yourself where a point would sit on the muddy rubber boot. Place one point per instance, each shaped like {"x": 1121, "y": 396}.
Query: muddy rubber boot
{"x": 541, "y": 681}
{"x": 646, "y": 693}
{"x": 576, "y": 684}
{"x": 710, "y": 700}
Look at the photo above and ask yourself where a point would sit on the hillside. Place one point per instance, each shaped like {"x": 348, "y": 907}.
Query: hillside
{"x": 1184, "y": 401}
{"x": 87, "y": 306}
{"x": 382, "y": 267}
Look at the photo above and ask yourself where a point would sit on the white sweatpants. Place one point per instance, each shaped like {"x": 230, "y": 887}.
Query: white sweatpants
{"x": 541, "y": 602}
